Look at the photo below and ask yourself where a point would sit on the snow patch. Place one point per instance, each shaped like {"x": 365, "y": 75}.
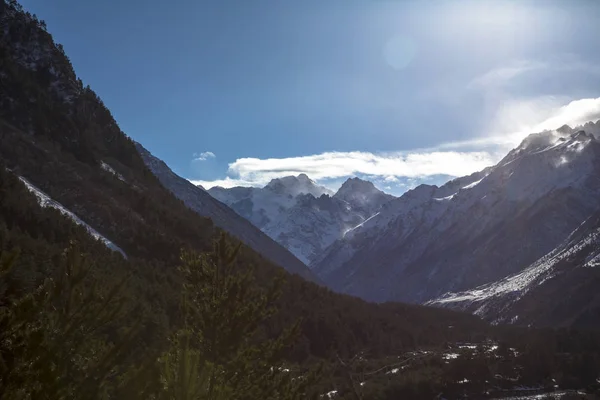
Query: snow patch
{"x": 472, "y": 185}
{"x": 45, "y": 201}
{"x": 111, "y": 170}
{"x": 396, "y": 370}
{"x": 361, "y": 224}
{"x": 445, "y": 198}
{"x": 451, "y": 356}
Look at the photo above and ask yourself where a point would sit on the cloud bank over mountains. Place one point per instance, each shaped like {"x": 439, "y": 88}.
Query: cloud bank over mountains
{"x": 333, "y": 165}
{"x": 391, "y": 168}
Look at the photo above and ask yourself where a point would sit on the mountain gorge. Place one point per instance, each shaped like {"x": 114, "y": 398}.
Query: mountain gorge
{"x": 302, "y": 216}
{"x": 99, "y": 238}
{"x": 69, "y": 174}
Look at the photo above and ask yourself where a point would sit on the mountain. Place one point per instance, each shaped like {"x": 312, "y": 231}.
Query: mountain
{"x": 362, "y": 196}
{"x": 222, "y": 216}
{"x": 296, "y": 185}
{"x": 559, "y": 289}
{"x": 591, "y": 127}
{"x": 473, "y": 230}
{"x": 262, "y": 206}
{"x": 300, "y": 215}
{"x": 91, "y": 243}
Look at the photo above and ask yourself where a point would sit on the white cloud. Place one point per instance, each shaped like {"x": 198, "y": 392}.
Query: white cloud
{"x": 451, "y": 159}
{"x": 205, "y": 155}
{"x": 558, "y": 64}
{"x": 332, "y": 165}
{"x": 225, "y": 183}
{"x": 524, "y": 115}
{"x": 513, "y": 110}
{"x": 518, "y": 118}
{"x": 575, "y": 113}
{"x": 501, "y": 75}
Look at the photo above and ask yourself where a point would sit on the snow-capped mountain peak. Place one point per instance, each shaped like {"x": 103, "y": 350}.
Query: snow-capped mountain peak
{"x": 295, "y": 185}
{"x": 362, "y": 195}
{"x": 356, "y": 188}
{"x": 592, "y": 128}
{"x": 549, "y": 139}
{"x": 303, "y": 216}
{"x": 355, "y": 185}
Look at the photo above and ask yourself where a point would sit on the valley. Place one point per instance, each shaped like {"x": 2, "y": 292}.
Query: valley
{"x": 120, "y": 279}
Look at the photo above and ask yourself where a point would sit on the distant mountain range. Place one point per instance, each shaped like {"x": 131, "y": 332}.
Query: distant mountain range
{"x": 481, "y": 243}
{"x": 302, "y": 216}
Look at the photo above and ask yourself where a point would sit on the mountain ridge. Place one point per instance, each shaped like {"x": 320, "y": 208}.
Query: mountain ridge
{"x": 300, "y": 215}
{"x": 429, "y": 226}
{"x": 222, "y": 216}
{"x": 296, "y": 185}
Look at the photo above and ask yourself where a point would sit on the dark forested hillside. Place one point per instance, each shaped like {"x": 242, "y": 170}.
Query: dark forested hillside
{"x": 58, "y": 135}
{"x": 224, "y": 217}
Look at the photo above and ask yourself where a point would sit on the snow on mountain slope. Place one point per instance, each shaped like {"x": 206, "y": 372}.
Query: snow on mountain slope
{"x": 362, "y": 196}
{"x": 302, "y": 216}
{"x": 472, "y": 230}
{"x": 296, "y": 185}
{"x": 537, "y": 294}
{"x": 222, "y": 216}
{"x": 45, "y": 201}
{"x": 312, "y": 224}
{"x": 263, "y": 206}
{"x": 409, "y": 207}
{"x": 112, "y": 171}
{"x": 592, "y": 128}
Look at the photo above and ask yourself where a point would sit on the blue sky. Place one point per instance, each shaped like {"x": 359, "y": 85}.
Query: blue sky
{"x": 400, "y": 92}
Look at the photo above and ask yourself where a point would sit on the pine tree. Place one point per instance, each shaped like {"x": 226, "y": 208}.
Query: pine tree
{"x": 54, "y": 342}
{"x": 220, "y": 346}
